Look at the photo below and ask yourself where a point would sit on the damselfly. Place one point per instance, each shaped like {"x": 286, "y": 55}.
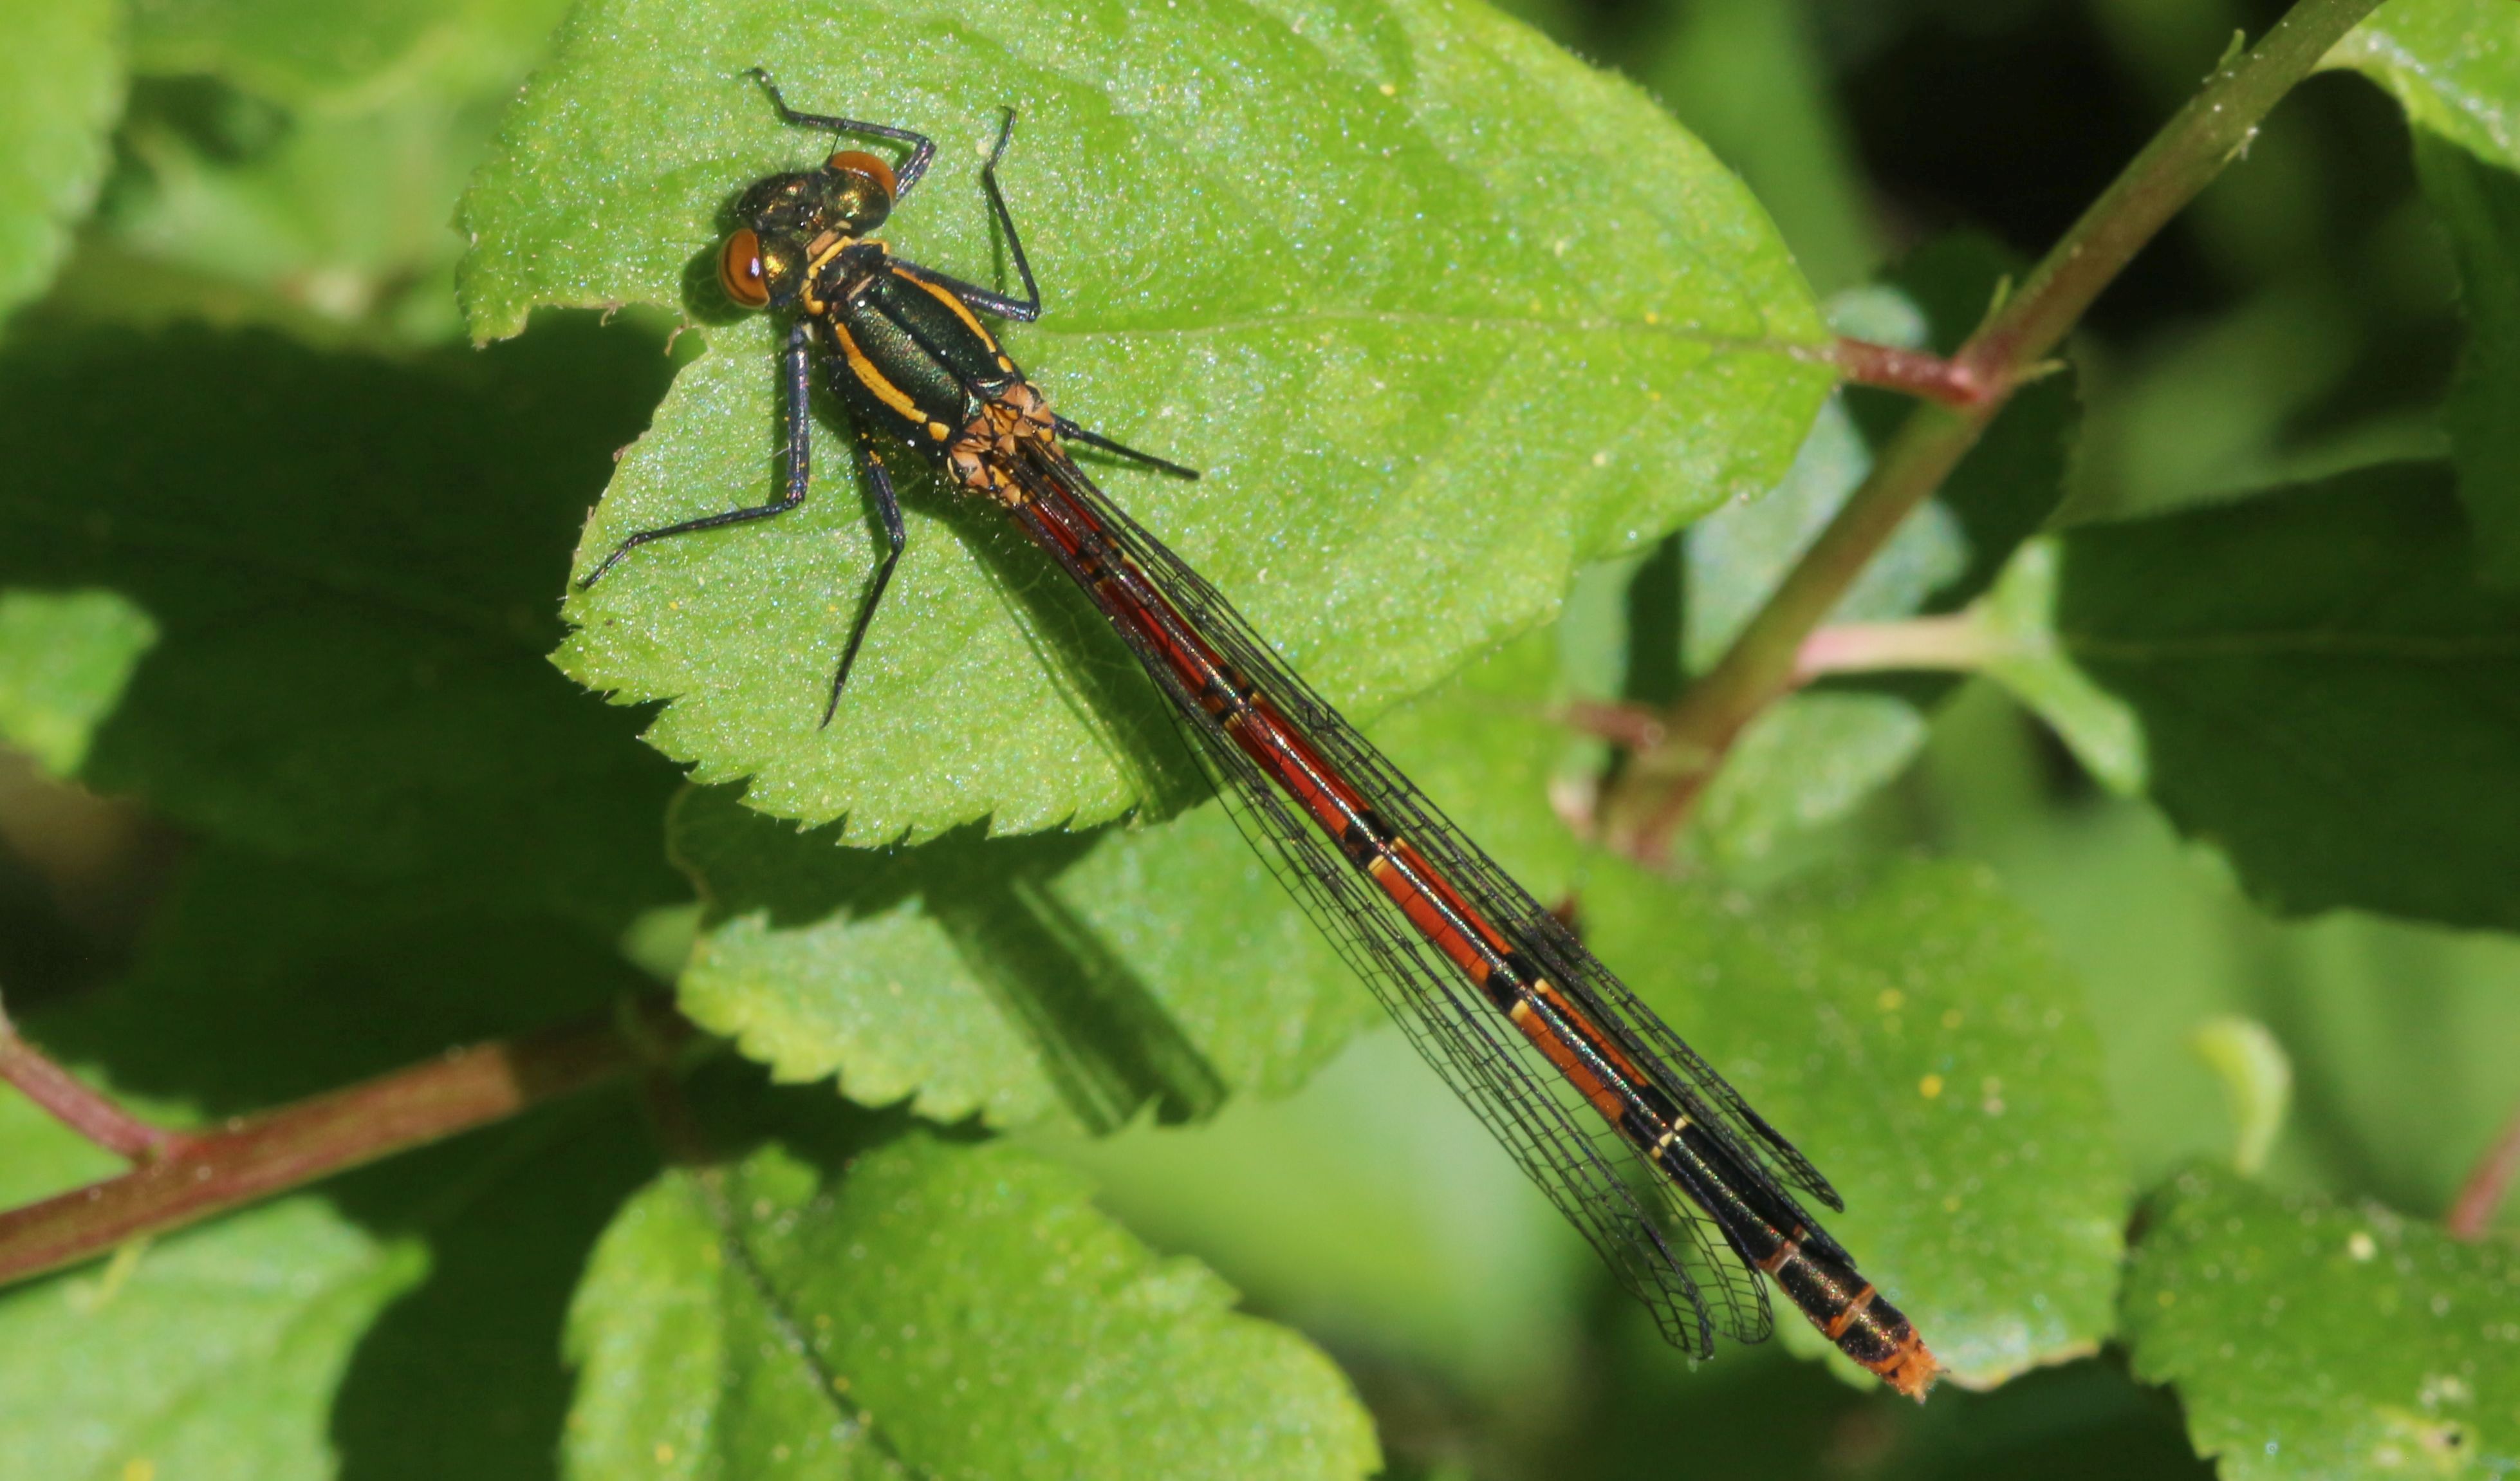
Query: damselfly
{"x": 1671, "y": 1175}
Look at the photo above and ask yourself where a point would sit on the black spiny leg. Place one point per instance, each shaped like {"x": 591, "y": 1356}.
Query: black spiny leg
{"x": 1027, "y": 308}
{"x": 1091, "y": 438}
{"x": 799, "y": 377}
{"x": 879, "y": 487}
{"x": 922, "y": 147}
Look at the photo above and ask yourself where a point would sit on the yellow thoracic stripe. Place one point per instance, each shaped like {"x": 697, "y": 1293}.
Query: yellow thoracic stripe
{"x": 872, "y": 378}
{"x": 959, "y": 309}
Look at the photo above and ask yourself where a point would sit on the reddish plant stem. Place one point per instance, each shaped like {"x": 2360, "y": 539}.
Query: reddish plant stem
{"x": 93, "y": 1116}
{"x": 1653, "y": 797}
{"x": 254, "y": 1157}
{"x": 1917, "y": 373}
{"x": 2472, "y": 1214}
{"x": 1957, "y": 642}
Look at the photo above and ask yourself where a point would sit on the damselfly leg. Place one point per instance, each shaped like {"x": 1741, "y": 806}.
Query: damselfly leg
{"x": 796, "y": 380}
{"x": 923, "y": 149}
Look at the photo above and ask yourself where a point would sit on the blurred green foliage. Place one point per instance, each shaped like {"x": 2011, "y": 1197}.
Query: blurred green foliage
{"x": 1465, "y": 334}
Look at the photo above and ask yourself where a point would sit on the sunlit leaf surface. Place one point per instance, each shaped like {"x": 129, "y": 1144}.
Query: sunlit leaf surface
{"x": 2308, "y": 1339}
{"x": 931, "y": 1308}
{"x": 1493, "y": 315}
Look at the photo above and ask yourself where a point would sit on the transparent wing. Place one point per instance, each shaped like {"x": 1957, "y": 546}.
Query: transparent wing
{"x": 1706, "y": 1094}
{"x": 1666, "y": 1251}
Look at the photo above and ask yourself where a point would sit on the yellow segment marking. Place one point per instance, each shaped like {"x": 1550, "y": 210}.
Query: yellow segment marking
{"x": 1838, "y": 1324}
{"x": 1792, "y": 1247}
{"x": 1663, "y": 1143}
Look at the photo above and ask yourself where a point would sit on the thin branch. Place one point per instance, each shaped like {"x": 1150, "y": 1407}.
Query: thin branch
{"x": 1653, "y": 797}
{"x": 74, "y": 1105}
{"x": 256, "y": 1156}
{"x": 2472, "y": 1214}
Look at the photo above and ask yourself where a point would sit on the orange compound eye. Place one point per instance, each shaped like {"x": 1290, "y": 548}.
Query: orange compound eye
{"x": 740, "y": 271}
{"x": 850, "y": 162}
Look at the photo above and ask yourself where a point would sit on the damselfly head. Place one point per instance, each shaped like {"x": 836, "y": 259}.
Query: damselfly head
{"x": 763, "y": 265}
{"x": 851, "y": 195}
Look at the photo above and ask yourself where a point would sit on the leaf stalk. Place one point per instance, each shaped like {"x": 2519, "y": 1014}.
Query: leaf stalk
{"x": 63, "y": 1097}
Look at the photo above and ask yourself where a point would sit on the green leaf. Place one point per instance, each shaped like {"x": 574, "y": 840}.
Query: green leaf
{"x": 403, "y": 1323}
{"x": 1076, "y": 977}
{"x": 289, "y": 50}
{"x": 1371, "y": 1209}
{"x": 266, "y": 980}
{"x": 1916, "y": 1036}
{"x": 932, "y": 1308}
{"x": 329, "y": 225}
{"x": 1800, "y": 766}
{"x": 1749, "y": 78}
{"x": 348, "y": 562}
{"x": 2398, "y": 1031}
{"x": 329, "y": 53}
{"x": 2019, "y": 617}
{"x": 64, "y": 661}
{"x": 2322, "y": 688}
{"x": 2452, "y": 64}
{"x": 1408, "y": 442}
{"x": 298, "y": 163}
{"x": 61, "y": 86}
{"x": 44, "y": 1157}
{"x": 2312, "y": 1339}
{"x": 261, "y": 982}
{"x": 1069, "y": 977}
{"x": 2480, "y": 206}
{"x": 210, "y": 1353}
{"x": 462, "y": 1376}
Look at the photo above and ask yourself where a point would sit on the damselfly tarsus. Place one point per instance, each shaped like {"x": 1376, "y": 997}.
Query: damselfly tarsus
{"x": 1685, "y": 1191}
